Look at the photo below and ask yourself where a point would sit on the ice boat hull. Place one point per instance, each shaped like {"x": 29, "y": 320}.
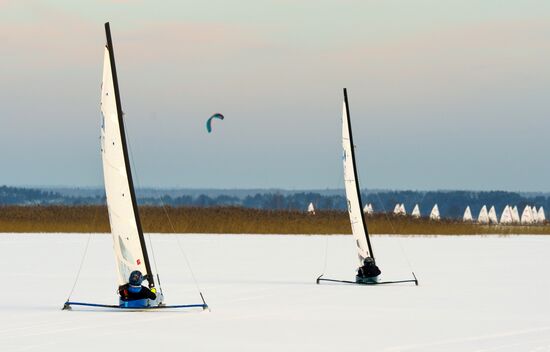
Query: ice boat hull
{"x": 68, "y": 306}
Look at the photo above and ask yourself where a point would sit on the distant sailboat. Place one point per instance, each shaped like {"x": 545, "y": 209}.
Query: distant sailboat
{"x": 492, "y": 215}
{"x": 483, "y": 217}
{"x": 515, "y": 215}
{"x": 434, "y": 214}
{"x": 416, "y": 211}
{"x": 467, "y": 217}
{"x": 541, "y": 215}
{"x": 368, "y": 209}
{"x": 128, "y": 240}
{"x": 368, "y": 272}
{"x": 397, "y": 209}
{"x": 506, "y": 216}
{"x": 535, "y": 213}
{"x": 527, "y": 215}
{"x": 311, "y": 209}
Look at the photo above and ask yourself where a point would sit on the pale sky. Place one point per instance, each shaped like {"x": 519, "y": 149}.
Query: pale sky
{"x": 443, "y": 94}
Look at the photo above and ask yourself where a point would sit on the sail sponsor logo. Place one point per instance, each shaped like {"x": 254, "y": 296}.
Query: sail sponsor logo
{"x": 138, "y": 262}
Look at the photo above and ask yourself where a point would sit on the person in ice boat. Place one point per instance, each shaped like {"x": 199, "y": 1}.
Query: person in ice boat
{"x": 133, "y": 294}
{"x": 368, "y": 273}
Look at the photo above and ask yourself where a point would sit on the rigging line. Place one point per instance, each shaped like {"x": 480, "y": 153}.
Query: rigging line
{"x": 395, "y": 233}
{"x": 391, "y": 224}
{"x": 134, "y": 167}
{"x": 171, "y": 225}
{"x": 83, "y": 259}
{"x": 80, "y": 266}
{"x": 154, "y": 260}
{"x": 181, "y": 248}
{"x": 326, "y": 254}
{"x": 327, "y": 236}
{"x": 422, "y": 199}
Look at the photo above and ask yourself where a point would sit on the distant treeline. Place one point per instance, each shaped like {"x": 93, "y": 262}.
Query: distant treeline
{"x": 451, "y": 203}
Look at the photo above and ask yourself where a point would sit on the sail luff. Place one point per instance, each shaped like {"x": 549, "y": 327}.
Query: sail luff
{"x": 149, "y": 273}
{"x": 353, "y": 193}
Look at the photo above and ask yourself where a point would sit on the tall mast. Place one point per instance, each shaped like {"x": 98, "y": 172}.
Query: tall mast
{"x": 358, "y": 190}
{"x": 150, "y": 277}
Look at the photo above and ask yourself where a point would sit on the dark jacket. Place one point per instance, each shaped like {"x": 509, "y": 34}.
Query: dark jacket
{"x": 132, "y": 293}
{"x": 370, "y": 270}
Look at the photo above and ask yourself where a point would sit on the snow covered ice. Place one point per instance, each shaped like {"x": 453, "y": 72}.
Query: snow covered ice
{"x": 476, "y": 293}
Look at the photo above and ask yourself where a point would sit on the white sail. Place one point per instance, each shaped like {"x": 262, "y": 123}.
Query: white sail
{"x": 515, "y": 215}
{"x": 358, "y": 226}
{"x": 506, "y": 216}
{"x": 467, "y": 215}
{"x": 434, "y": 214}
{"x": 541, "y": 215}
{"x": 483, "y": 217}
{"x": 124, "y": 228}
{"x": 311, "y": 209}
{"x": 493, "y": 215}
{"x": 397, "y": 209}
{"x": 535, "y": 213}
{"x": 368, "y": 209}
{"x": 416, "y": 211}
{"x": 527, "y": 215}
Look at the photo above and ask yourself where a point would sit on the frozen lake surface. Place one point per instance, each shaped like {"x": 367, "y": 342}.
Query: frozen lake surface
{"x": 475, "y": 294}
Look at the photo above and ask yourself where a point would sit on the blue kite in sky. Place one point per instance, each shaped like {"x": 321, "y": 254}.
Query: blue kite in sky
{"x": 209, "y": 121}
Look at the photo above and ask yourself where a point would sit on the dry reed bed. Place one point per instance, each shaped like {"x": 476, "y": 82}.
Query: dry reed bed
{"x": 21, "y": 219}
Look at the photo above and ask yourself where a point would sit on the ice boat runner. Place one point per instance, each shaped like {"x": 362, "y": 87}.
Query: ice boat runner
{"x": 131, "y": 256}
{"x": 368, "y": 272}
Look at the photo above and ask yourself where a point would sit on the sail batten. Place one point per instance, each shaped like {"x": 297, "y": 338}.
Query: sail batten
{"x": 128, "y": 240}
{"x": 351, "y": 183}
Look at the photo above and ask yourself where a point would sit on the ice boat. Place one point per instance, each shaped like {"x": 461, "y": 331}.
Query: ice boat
{"x": 541, "y": 215}
{"x": 467, "y": 215}
{"x": 506, "y": 216}
{"x": 515, "y": 215}
{"x": 367, "y": 273}
{"x": 368, "y": 209}
{"x": 535, "y": 213}
{"x": 483, "y": 217}
{"x": 527, "y": 215}
{"x": 416, "y": 211}
{"x": 434, "y": 214}
{"x": 493, "y": 216}
{"x": 130, "y": 249}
